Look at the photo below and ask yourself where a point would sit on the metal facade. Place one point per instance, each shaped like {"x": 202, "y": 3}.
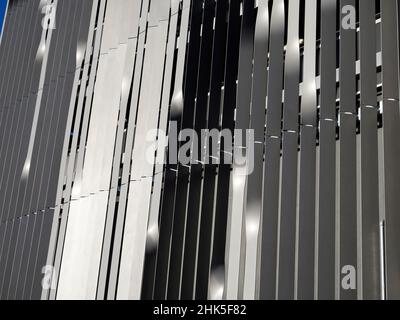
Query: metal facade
{"x": 87, "y": 90}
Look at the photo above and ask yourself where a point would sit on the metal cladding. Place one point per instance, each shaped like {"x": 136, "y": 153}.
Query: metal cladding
{"x": 110, "y": 113}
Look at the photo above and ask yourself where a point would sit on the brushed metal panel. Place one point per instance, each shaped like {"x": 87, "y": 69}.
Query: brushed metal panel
{"x": 218, "y": 272}
{"x": 326, "y": 207}
{"x": 242, "y": 120}
{"x": 209, "y": 183}
{"x": 292, "y": 69}
{"x": 199, "y": 227}
{"x": 149, "y": 103}
{"x": 328, "y": 59}
{"x": 14, "y": 172}
{"x": 309, "y": 95}
{"x": 234, "y": 233}
{"x": 130, "y": 33}
{"x": 307, "y": 192}
{"x": 348, "y": 200}
{"x": 8, "y": 111}
{"x": 6, "y": 67}
{"x": 130, "y": 135}
{"x": 370, "y": 266}
{"x": 391, "y": 156}
{"x": 68, "y": 60}
{"x": 287, "y": 241}
{"x": 276, "y": 68}
{"x": 9, "y": 106}
{"x": 93, "y": 186}
{"x": 58, "y": 233}
{"x": 176, "y": 86}
{"x": 181, "y": 117}
{"x": 306, "y": 214}
{"x": 132, "y": 255}
{"x": 371, "y": 285}
{"x": 5, "y": 49}
{"x": 195, "y": 224}
{"x": 27, "y": 175}
{"x": 245, "y": 68}
{"x": 348, "y": 167}
{"x": 327, "y": 154}
{"x": 52, "y": 142}
{"x": 269, "y": 244}
{"x": 253, "y": 206}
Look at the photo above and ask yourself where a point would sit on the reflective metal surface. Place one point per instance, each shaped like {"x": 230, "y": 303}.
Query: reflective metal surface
{"x": 95, "y": 202}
